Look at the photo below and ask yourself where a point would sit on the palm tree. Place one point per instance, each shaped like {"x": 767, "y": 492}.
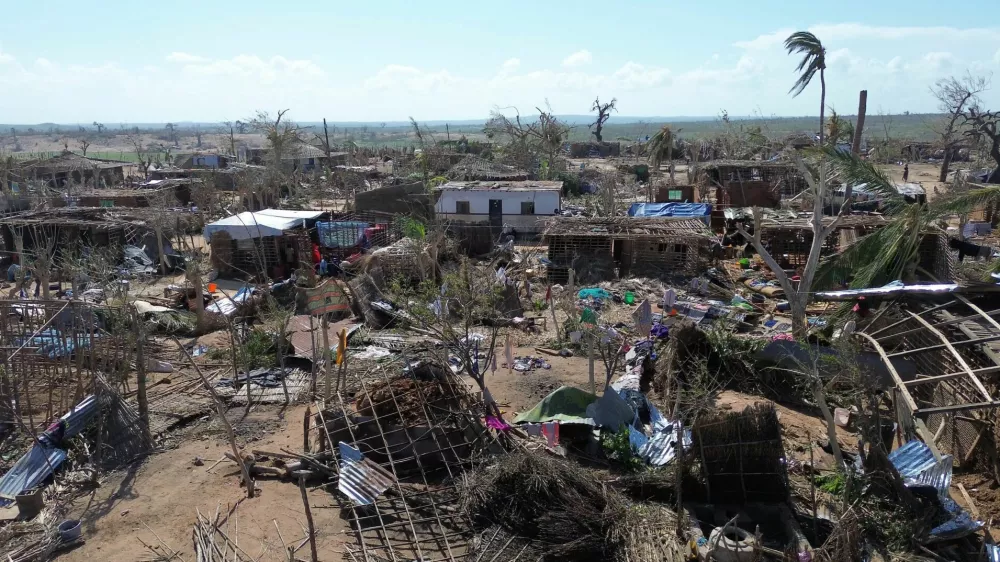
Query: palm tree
{"x": 813, "y": 61}
{"x": 892, "y": 252}
{"x": 661, "y": 145}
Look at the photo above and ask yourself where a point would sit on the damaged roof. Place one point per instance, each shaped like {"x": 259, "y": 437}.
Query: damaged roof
{"x": 68, "y": 161}
{"x": 626, "y": 226}
{"x": 528, "y": 185}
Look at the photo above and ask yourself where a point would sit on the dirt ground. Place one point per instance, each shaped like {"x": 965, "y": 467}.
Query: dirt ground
{"x": 162, "y": 495}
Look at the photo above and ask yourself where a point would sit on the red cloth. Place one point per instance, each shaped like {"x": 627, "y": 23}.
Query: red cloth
{"x": 317, "y": 257}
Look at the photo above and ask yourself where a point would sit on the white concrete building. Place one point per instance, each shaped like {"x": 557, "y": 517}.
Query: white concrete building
{"x": 524, "y": 205}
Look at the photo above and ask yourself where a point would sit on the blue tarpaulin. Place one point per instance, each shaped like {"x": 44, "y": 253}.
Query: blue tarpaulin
{"x": 696, "y": 210}
{"x": 342, "y": 234}
{"x": 52, "y": 344}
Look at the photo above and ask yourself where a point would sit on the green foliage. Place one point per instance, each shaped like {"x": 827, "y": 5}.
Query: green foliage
{"x": 539, "y": 305}
{"x": 413, "y": 228}
{"x": 571, "y": 183}
{"x": 833, "y": 483}
{"x": 256, "y": 352}
{"x": 617, "y": 447}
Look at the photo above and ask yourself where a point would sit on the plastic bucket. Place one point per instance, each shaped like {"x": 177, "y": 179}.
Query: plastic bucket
{"x": 212, "y": 287}
{"x": 69, "y": 530}
{"x": 629, "y": 298}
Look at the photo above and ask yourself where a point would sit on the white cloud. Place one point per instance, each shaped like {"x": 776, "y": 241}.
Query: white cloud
{"x": 939, "y": 60}
{"x": 633, "y": 75}
{"x": 579, "y": 58}
{"x": 895, "y": 65}
{"x": 184, "y": 58}
{"x": 510, "y": 65}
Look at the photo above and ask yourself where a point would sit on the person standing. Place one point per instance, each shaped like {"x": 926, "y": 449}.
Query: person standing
{"x": 906, "y": 172}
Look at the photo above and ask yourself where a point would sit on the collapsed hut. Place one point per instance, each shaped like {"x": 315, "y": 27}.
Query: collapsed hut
{"x": 71, "y": 229}
{"x": 788, "y": 236}
{"x": 607, "y": 248}
{"x": 69, "y": 168}
{"x": 941, "y": 345}
{"x": 411, "y": 436}
{"x": 753, "y": 183}
{"x": 474, "y": 168}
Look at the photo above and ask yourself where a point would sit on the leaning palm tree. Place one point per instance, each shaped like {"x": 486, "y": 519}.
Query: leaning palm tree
{"x": 891, "y": 253}
{"x": 813, "y": 61}
{"x": 661, "y": 145}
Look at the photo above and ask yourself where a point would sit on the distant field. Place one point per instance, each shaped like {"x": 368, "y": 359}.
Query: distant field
{"x": 116, "y": 147}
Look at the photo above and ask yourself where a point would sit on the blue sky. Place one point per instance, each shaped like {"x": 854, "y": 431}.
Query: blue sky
{"x": 117, "y": 61}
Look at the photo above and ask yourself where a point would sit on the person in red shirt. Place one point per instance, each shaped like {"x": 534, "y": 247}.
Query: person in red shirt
{"x": 317, "y": 256}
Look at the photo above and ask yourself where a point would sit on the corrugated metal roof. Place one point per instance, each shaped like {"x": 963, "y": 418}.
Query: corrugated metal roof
{"x": 38, "y": 463}
{"x": 916, "y": 464}
{"x": 361, "y": 479}
{"x": 34, "y": 467}
{"x": 661, "y": 448}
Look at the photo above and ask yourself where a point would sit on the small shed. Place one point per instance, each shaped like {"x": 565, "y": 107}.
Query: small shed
{"x": 272, "y": 242}
{"x": 599, "y": 249}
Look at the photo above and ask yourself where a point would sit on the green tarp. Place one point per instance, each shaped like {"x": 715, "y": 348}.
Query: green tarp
{"x": 566, "y": 405}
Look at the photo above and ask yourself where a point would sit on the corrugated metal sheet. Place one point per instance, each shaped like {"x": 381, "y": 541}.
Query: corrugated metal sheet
{"x": 916, "y": 464}
{"x": 38, "y": 463}
{"x": 361, "y": 479}
{"x": 34, "y": 467}
{"x": 894, "y": 288}
{"x": 662, "y": 445}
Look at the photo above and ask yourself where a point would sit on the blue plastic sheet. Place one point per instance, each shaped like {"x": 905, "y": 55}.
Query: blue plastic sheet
{"x": 696, "y": 210}
{"x": 342, "y": 234}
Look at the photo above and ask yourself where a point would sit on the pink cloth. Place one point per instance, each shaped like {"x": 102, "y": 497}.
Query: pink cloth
{"x": 496, "y": 423}
{"x": 551, "y": 432}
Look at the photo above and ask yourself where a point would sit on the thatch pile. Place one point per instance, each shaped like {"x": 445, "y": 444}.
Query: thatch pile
{"x": 567, "y": 513}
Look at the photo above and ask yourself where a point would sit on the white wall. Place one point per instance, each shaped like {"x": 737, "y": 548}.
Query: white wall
{"x": 546, "y": 202}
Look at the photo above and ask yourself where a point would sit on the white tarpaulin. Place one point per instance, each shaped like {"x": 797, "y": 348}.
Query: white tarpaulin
{"x": 269, "y": 222}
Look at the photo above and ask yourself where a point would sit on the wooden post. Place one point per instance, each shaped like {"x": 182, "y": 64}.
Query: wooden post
{"x": 315, "y": 358}
{"x": 859, "y": 127}
{"x": 328, "y": 378}
{"x": 590, "y": 356}
{"x": 309, "y": 517}
{"x": 305, "y": 431}
{"x": 812, "y": 484}
{"x": 221, "y": 410}
{"x": 140, "y": 369}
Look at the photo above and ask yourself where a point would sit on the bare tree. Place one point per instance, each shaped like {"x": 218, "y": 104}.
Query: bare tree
{"x": 954, "y": 97}
{"x": 529, "y": 144}
{"x": 84, "y": 143}
{"x": 100, "y": 127}
{"x": 141, "y": 156}
{"x": 985, "y": 125}
{"x": 603, "y": 114}
{"x": 171, "y": 132}
{"x": 324, "y": 141}
{"x": 197, "y": 135}
{"x": 799, "y": 295}
{"x": 280, "y": 135}
{"x": 228, "y": 130}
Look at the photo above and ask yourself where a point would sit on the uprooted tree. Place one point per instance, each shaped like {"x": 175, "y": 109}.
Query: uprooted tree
{"x": 603, "y": 114}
